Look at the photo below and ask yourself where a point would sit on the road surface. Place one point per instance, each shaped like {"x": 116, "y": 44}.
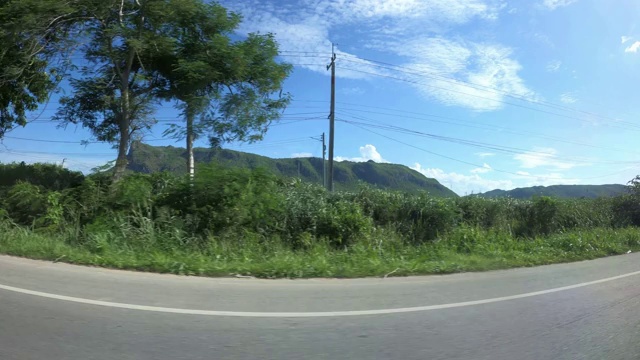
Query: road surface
{"x": 585, "y": 310}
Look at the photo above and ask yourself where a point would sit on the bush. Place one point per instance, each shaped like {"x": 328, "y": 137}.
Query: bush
{"x": 423, "y": 218}
{"x": 342, "y": 223}
{"x": 26, "y": 203}
{"x": 47, "y": 176}
{"x": 585, "y": 213}
{"x": 167, "y": 212}
{"x": 302, "y": 205}
{"x": 220, "y": 200}
{"x": 537, "y": 217}
{"x": 486, "y": 213}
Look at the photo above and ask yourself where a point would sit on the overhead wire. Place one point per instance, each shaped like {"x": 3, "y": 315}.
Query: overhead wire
{"x": 481, "y": 126}
{"x": 478, "y": 165}
{"x": 482, "y": 145}
{"x": 449, "y": 79}
{"x": 633, "y": 127}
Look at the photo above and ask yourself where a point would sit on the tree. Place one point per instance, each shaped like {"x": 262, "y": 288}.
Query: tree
{"x": 225, "y": 90}
{"x": 32, "y": 33}
{"x": 114, "y": 96}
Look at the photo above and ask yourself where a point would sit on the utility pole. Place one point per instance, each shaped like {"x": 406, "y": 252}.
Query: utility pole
{"x": 332, "y": 114}
{"x": 324, "y": 165}
{"x": 324, "y": 153}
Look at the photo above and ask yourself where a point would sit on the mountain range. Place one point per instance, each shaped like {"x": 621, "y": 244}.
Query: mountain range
{"x": 560, "y": 191}
{"x": 347, "y": 175}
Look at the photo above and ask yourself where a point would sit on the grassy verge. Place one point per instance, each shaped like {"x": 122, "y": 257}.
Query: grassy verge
{"x": 464, "y": 249}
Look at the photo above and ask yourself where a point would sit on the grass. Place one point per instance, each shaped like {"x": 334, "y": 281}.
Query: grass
{"x": 464, "y": 249}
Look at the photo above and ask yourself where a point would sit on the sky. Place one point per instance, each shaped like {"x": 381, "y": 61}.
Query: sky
{"x": 478, "y": 94}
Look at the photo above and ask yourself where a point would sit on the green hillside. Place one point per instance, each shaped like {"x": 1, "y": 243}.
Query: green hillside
{"x": 146, "y": 159}
{"x": 560, "y": 191}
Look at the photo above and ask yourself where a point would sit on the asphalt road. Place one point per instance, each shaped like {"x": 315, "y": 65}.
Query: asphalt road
{"x": 586, "y": 310}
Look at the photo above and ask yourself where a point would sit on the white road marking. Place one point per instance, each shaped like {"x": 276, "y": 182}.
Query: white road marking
{"x": 308, "y": 314}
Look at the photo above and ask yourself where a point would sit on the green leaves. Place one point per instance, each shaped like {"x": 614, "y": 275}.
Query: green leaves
{"x": 33, "y": 36}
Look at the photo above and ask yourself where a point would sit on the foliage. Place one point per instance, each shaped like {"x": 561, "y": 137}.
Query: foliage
{"x": 225, "y": 87}
{"x": 221, "y": 200}
{"x": 26, "y": 203}
{"x": 32, "y": 33}
{"x": 49, "y": 176}
{"x": 627, "y": 207}
{"x": 140, "y": 52}
{"x": 251, "y": 222}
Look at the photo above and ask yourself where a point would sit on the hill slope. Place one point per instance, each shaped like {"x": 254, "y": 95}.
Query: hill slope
{"x": 561, "y": 191}
{"x": 145, "y": 158}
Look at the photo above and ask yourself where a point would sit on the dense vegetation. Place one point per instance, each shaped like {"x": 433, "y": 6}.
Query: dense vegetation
{"x": 347, "y": 175}
{"x": 560, "y": 191}
{"x": 240, "y": 221}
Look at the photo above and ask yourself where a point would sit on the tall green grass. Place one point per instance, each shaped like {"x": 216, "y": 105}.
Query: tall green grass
{"x": 233, "y": 221}
{"x": 382, "y": 252}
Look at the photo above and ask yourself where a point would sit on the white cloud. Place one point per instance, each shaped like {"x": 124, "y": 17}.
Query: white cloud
{"x": 352, "y": 90}
{"x": 463, "y": 184}
{"x": 542, "y": 157}
{"x": 485, "y": 154}
{"x": 467, "y": 74}
{"x": 633, "y": 48}
{"x": 302, "y": 155}
{"x": 367, "y": 152}
{"x": 305, "y": 30}
{"x": 481, "y": 170}
{"x": 554, "y": 65}
{"x": 624, "y": 39}
{"x": 554, "y": 4}
{"x": 457, "y": 11}
{"x": 568, "y": 98}
{"x": 547, "y": 179}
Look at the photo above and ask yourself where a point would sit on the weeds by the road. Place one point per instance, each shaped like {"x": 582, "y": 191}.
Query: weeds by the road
{"x": 232, "y": 221}
{"x": 464, "y": 249}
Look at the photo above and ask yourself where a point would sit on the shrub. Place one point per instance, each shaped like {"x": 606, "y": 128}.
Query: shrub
{"x": 537, "y": 217}
{"x": 47, "y": 176}
{"x": 342, "y": 223}
{"x": 302, "y": 205}
{"x": 486, "y": 213}
{"x": 423, "y": 218}
{"x": 25, "y": 203}
{"x": 220, "y": 199}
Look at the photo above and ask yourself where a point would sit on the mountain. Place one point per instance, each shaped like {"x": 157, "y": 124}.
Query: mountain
{"x": 561, "y": 191}
{"x": 146, "y": 159}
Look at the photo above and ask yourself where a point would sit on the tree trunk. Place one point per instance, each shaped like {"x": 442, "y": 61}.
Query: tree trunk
{"x": 190, "y": 138}
{"x": 121, "y": 161}
{"x": 124, "y": 125}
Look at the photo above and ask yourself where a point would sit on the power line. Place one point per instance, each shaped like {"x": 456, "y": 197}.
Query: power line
{"x": 452, "y": 80}
{"x": 494, "y": 90}
{"x": 477, "y": 165}
{"x": 459, "y": 122}
{"x": 635, "y": 127}
{"x": 487, "y": 127}
{"x": 501, "y": 148}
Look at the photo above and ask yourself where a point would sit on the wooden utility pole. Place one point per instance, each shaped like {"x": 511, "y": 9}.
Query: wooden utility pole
{"x": 332, "y": 66}
{"x": 324, "y": 165}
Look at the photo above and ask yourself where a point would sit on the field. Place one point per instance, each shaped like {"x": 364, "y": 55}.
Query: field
{"x": 248, "y": 222}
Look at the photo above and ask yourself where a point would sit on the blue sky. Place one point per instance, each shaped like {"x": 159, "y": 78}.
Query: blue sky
{"x": 479, "y": 94}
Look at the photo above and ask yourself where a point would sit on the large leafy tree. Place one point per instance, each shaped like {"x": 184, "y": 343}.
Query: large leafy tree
{"x": 227, "y": 90}
{"x": 32, "y": 34}
{"x": 114, "y": 94}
